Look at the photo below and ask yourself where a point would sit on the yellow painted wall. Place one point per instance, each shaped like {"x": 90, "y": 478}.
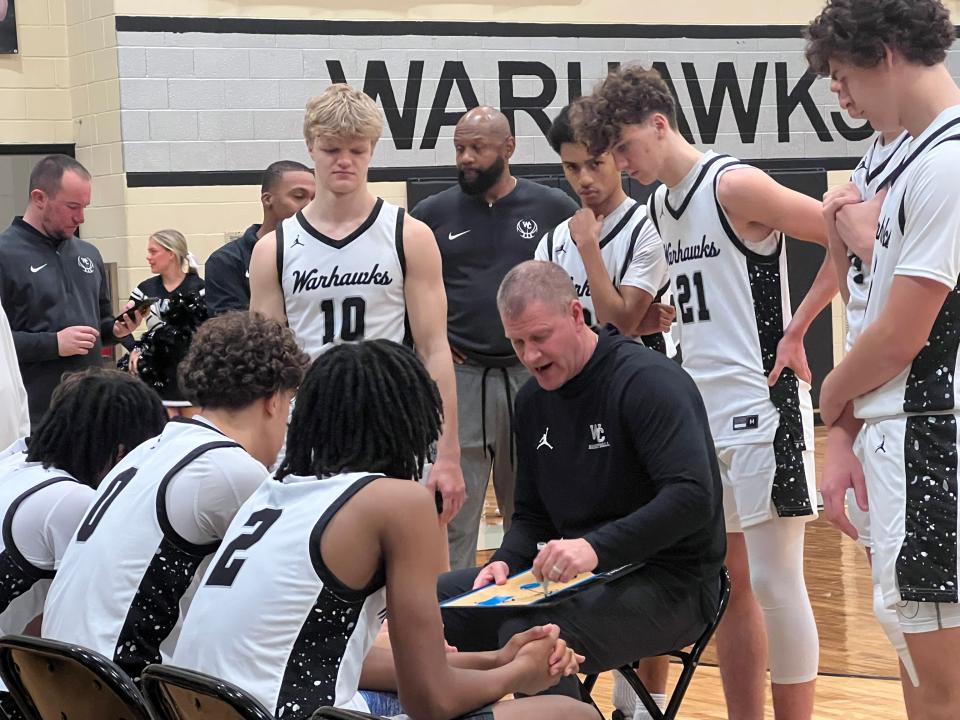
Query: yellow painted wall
{"x": 35, "y": 102}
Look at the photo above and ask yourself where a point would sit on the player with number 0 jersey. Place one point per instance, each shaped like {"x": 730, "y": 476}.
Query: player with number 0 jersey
{"x": 129, "y": 572}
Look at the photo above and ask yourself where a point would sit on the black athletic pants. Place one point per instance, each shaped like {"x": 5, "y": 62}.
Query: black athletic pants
{"x": 645, "y": 613}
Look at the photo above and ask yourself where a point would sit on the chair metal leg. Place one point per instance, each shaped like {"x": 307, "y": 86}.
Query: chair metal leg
{"x": 640, "y": 689}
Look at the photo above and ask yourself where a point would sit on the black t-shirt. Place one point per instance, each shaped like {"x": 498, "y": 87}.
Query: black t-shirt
{"x": 227, "y": 274}
{"x": 479, "y": 244}
{"x": 622, "y": 456}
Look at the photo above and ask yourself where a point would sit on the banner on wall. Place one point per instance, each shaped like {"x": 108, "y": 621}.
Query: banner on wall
{"x": 8, "y": 28}
{"x": 227, "y": 95}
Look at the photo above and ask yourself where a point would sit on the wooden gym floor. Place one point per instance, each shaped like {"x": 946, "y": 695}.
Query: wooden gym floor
{"x": 858, "y": 669}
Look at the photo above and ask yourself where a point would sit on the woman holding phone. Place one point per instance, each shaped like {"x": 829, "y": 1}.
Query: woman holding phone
{"x": 175, "y": 273}
{"x": 175, "y": 279}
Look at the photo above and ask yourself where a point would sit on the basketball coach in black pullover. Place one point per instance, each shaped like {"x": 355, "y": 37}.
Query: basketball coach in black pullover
{"x": 616, "y": 466}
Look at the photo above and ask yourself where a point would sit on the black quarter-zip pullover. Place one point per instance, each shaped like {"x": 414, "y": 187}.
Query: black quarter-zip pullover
{"x": 47, "y": 285}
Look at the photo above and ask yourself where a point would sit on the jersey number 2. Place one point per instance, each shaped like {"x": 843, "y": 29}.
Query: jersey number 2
{"x": 351, "y": 319}
{"x": 226, "y": 569}
{"x": 684, "y": 296}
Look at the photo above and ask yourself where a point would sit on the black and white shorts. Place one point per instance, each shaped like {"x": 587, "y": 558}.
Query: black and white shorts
{"x": 911, "y": 469}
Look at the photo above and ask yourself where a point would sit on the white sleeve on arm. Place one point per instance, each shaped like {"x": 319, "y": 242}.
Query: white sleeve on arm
{"x": 931, "y": 245}
{"x": 66, "y": 516}
{"x": 648, "y": 268}
{"x": 46, "y": 522}
{"x": 205, "y": 495}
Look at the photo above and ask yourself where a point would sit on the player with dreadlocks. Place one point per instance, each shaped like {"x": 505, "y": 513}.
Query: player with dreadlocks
{"x": 95, "y": 417}
{"x": 299, "y": 634}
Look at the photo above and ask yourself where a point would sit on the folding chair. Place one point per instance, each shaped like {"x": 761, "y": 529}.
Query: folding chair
{"x": 52, "y": 680}
{"x": 177, "y": 694}
{"x": 689, "y": 658}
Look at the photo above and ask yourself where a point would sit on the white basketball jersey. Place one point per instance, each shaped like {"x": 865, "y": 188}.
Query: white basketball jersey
{"x": 870, "y": 175}
{"x": 17, "y": 446}
{"x": 127, "y": 576}
{"x": 344, "y": 290}
{"x": 270, "y": 617}
{"x": 918, "y": 235}
{"x": 26, "y": 569}
{"x": 732, "y": 306}
{"x": 632, "y": 253}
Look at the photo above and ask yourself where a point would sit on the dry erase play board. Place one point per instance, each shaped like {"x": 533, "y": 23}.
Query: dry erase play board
{"x": 520, "y": 589}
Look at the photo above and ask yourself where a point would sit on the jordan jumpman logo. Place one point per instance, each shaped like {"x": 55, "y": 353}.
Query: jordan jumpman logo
{"x": 544, "y": 441}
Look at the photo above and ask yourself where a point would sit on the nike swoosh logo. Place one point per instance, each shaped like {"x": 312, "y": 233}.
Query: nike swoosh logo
{"x": 37, "y": 269}
{"x": 451, "y": 236}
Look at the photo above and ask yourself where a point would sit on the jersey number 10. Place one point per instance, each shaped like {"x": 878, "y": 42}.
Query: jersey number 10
{"x": 351, "y": 319}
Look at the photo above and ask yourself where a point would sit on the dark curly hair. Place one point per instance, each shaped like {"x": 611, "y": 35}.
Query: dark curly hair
{"x": 238, "y": 358}
{"x": 628, "y": 96}
{"x": 860, "y": 31}
{"x": 364, "y": 407}
{"x": 95, "y": 417}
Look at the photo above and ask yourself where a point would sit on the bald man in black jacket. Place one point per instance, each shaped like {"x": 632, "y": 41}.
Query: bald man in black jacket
{"x": 616, "y": 467}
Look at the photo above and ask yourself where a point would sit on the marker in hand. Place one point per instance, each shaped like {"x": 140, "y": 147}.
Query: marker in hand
{"x": 545, "y": 583}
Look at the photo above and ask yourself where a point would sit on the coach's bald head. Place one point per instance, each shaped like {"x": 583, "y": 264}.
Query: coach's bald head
{"x": 487, "y": 121}
{"x": 484, "y": 145}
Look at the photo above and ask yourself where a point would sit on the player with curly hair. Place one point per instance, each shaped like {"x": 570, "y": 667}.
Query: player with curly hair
{"x": 723, "y": 225}
{"x": 896, "y": 386}
{"x": 129, "y": 573}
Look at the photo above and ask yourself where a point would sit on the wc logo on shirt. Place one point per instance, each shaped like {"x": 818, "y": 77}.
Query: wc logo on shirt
{"x": 527, "y": 229}
{"x": 598, "y": 436}
{"x": 86, "y": 264}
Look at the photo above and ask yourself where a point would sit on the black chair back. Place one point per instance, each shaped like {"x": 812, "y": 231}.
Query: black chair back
{"x": 178, "y": 694}
{"x": 52, "y": 680}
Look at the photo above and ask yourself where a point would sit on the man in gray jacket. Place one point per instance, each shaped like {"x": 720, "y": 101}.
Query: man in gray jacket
{"x": 53, "y": 287}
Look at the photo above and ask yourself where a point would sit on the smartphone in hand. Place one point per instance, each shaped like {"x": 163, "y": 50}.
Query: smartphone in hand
{"x": 141, "y": 306}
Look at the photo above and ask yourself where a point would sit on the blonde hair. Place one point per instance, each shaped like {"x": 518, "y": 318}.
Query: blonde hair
{"x": 342, "y": 112}
{"x": 175, "y": 242}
